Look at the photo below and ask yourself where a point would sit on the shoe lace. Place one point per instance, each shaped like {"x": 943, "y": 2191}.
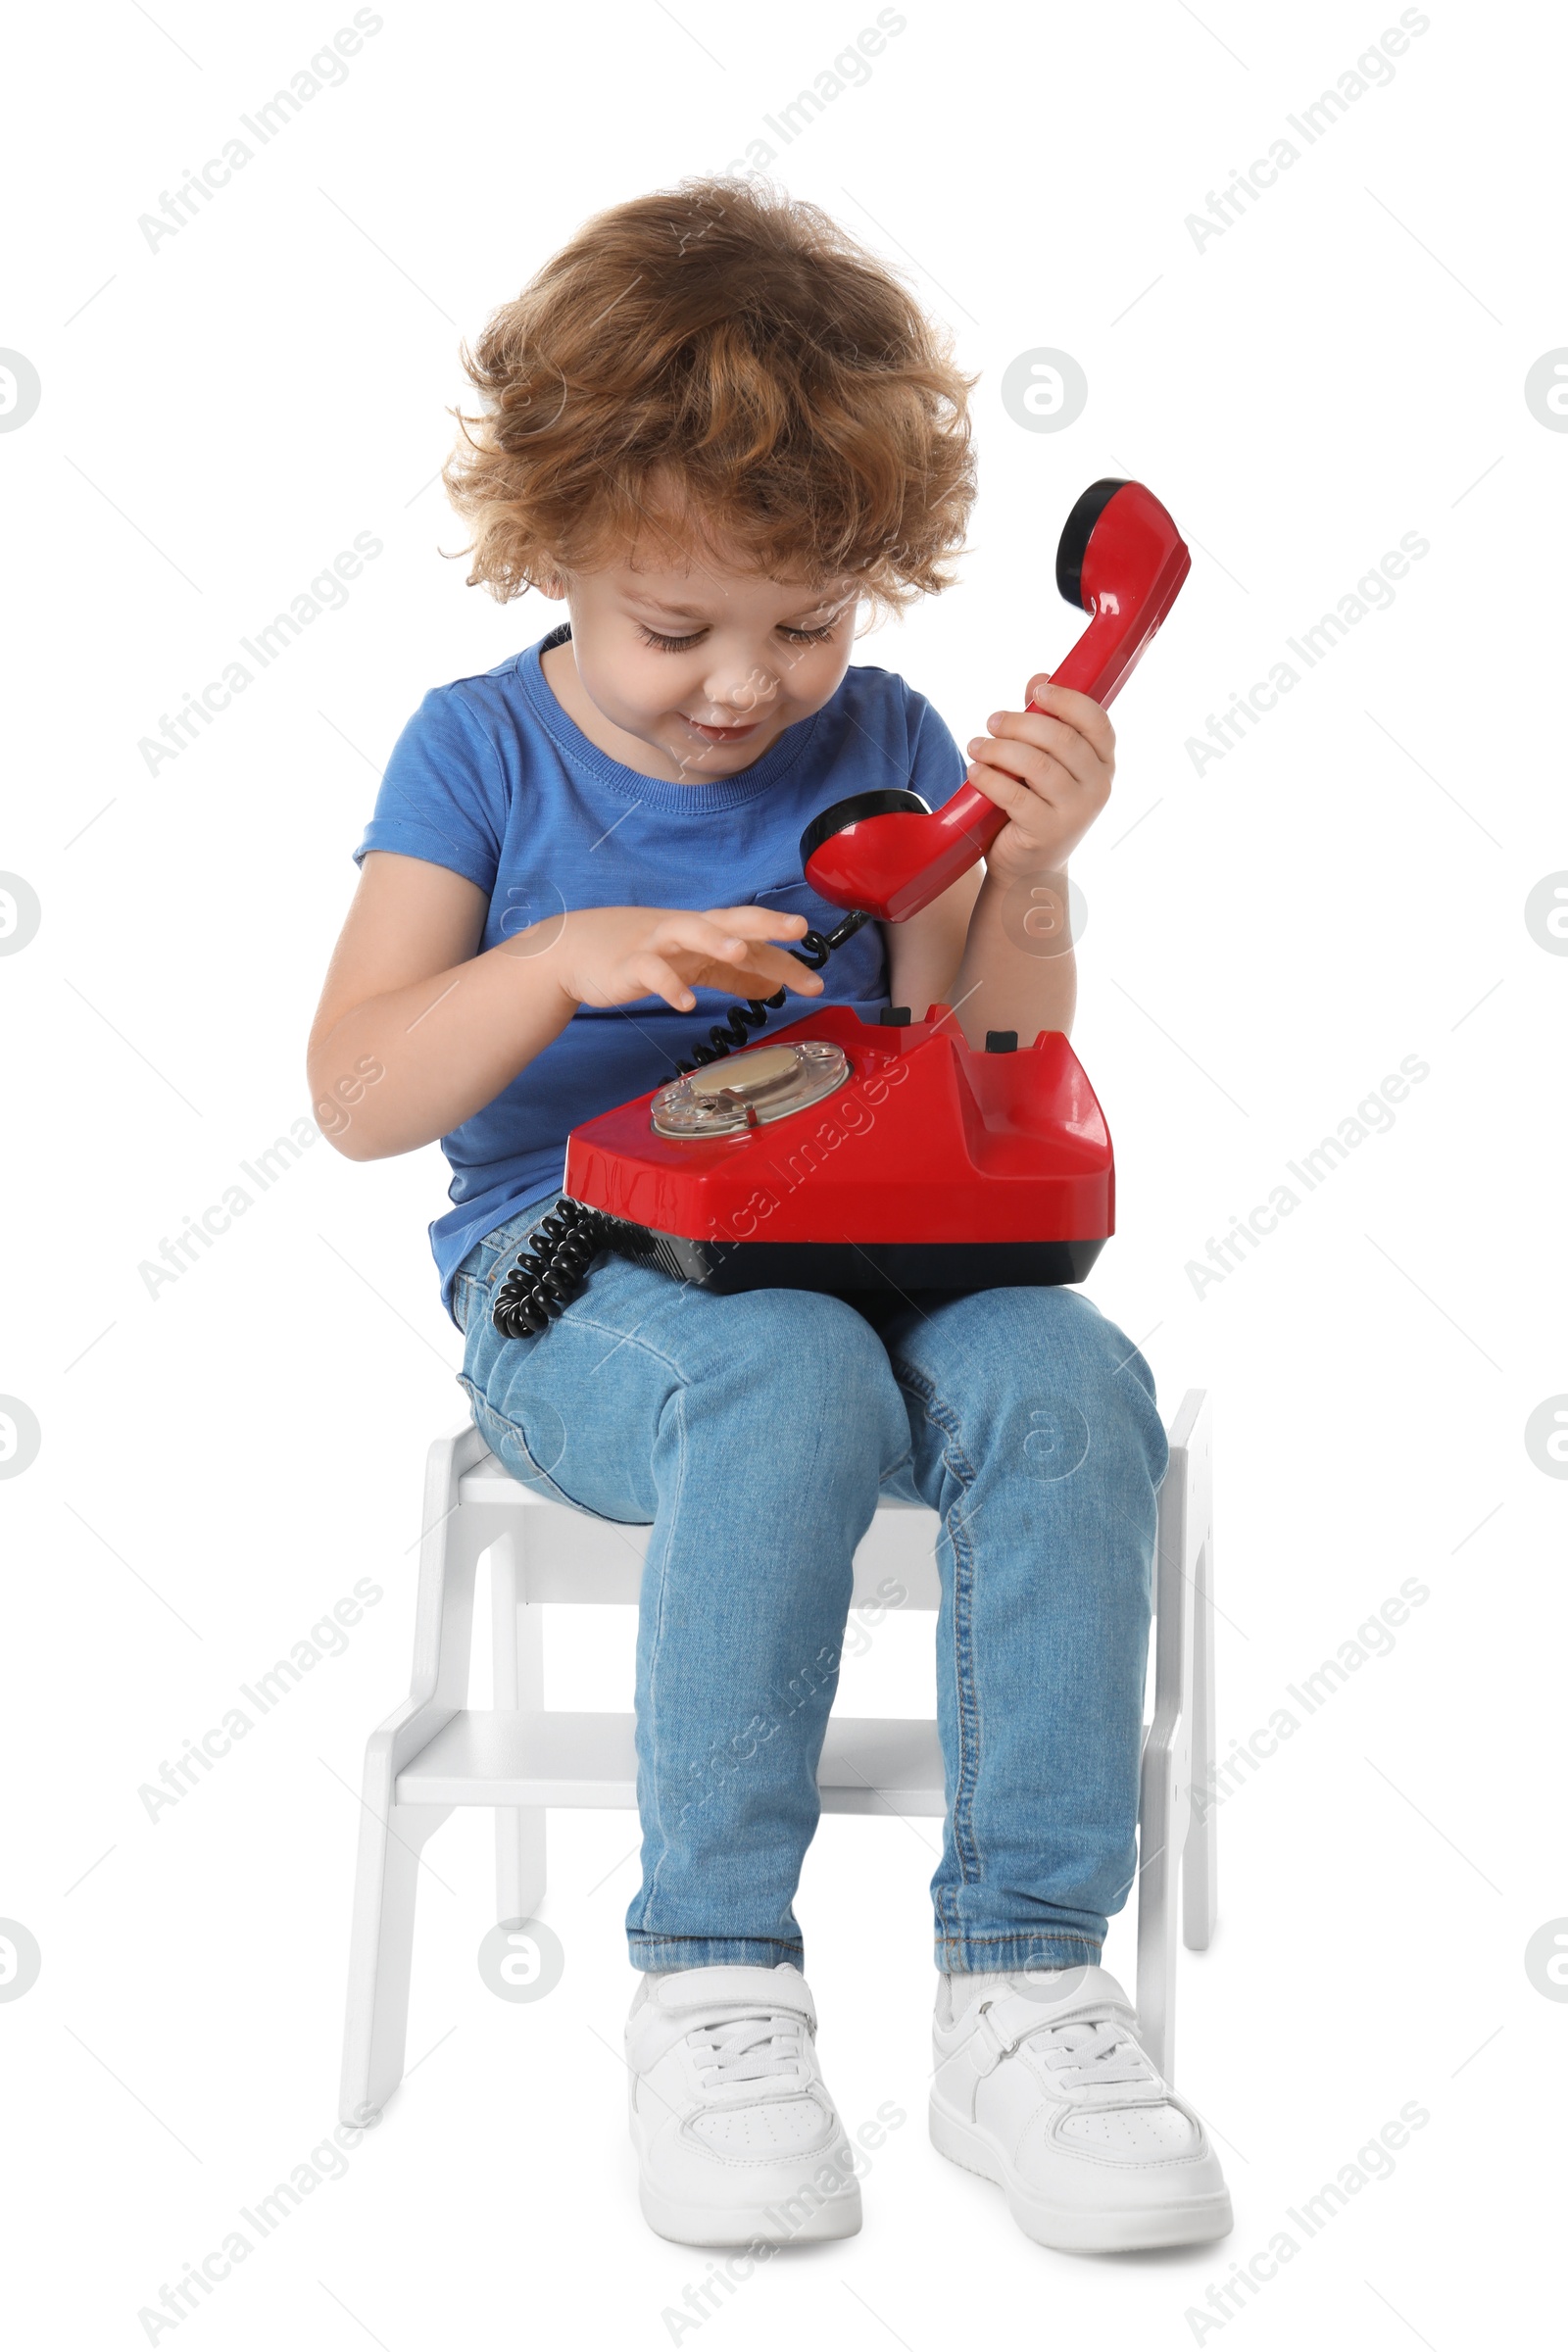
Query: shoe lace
{"x": 1088, "y": 2053}
{"x": 745, "y": 2049}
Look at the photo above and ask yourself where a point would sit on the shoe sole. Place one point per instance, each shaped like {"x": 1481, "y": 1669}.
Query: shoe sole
{"x": 1071, "y": 2229}
{"x": 691, "y": 2225}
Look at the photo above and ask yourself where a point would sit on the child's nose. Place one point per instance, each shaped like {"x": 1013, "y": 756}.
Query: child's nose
{"x": 745, "y": 695}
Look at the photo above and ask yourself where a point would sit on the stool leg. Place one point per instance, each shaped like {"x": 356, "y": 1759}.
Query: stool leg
{"x": 382, "y": 1948}
{"x": 1200, "y": 1886}
{"x": 517, "y": 1680}
{"x": 391, "y": 1835}
{"x": 1166, "y": 1809}
{"x": 1157, "y": 1865}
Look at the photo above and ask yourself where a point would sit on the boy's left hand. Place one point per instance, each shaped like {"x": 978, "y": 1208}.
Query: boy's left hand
{"x": 1051, "y": 769}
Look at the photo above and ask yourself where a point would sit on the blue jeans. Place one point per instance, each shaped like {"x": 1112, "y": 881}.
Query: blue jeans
{"x": 753, "y": 1435}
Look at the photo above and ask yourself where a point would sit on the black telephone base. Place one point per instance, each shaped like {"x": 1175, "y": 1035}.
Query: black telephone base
{"x": 727, "y": 1267}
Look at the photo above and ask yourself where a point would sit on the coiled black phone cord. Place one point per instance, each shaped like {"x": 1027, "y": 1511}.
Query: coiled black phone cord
{"x": 546, "y": 1278}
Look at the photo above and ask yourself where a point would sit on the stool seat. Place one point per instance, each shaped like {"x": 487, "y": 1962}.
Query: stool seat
{"x": 569, "y": 1555}
{"x": 435, "y": 1752}
{"x": 870, "y": 1763}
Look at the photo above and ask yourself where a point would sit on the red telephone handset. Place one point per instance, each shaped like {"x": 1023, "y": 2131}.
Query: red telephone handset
{"x": 885, "y": 853}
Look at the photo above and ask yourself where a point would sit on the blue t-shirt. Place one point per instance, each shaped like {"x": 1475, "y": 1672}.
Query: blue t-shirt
{"x": 491, "y": 778}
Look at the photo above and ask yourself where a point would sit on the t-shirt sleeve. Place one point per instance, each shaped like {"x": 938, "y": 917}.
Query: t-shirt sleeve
{"x": 442, "y": 797}
{"x": 937, "y": 766}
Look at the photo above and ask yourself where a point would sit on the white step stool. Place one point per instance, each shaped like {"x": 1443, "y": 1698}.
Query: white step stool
{"x": 436, "y": 1752}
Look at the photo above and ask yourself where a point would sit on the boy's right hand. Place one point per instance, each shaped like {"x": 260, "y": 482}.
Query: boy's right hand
{"x": 614, "y": 954}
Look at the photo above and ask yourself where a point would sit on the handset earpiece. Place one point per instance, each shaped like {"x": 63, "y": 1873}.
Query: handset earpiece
{"x": 885, "y": 853}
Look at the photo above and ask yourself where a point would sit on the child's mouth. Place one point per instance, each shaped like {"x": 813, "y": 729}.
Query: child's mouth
{"x": 721, "y": 734}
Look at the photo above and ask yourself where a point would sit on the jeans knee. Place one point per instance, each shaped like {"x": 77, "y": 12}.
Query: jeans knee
{"x": 811, "y": 1369}
{"x": 1047, "y": 1385}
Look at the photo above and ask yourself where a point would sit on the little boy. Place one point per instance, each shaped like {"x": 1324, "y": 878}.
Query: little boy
{"x": 717, "y": 428}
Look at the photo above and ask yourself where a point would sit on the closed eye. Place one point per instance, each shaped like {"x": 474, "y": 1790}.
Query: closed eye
{"x": 682, "y": 645}
{"x": 669, "y": 645}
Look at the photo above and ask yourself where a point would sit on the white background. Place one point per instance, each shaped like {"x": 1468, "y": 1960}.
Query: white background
{"x": 218, "y": 1463}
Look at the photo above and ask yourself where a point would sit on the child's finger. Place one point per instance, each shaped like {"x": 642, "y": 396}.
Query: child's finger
{"x": 729, "y": 933}
{"x": 699, "y": 935}
{"x": 1007, "y": 791}
{"x": 763, "y": 972}
{"x": 660, "y": 979}
{"x": 1044, "y": 734}
{"x": 1042, "y": 772}
{"x": 1079, "y": 711}
{"x": 774, "y": 968}
{"x": 758, "y": 922}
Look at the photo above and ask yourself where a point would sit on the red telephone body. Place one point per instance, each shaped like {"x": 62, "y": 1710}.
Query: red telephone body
{"x": 916, "y": 1162}
{"x": 930, "y": 1166}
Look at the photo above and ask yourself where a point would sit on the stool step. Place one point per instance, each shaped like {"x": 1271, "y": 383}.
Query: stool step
{"x": 870, "y": 1763}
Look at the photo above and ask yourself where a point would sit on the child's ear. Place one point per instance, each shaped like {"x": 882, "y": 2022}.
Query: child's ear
{"x": 551, "y": 584}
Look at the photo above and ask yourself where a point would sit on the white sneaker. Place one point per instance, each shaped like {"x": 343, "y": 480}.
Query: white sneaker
{"x": 1040, "y": 2085}
{"x": 737, "y": 2140}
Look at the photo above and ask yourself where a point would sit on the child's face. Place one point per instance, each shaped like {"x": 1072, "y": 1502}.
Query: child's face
{"x": 706, "y": 664}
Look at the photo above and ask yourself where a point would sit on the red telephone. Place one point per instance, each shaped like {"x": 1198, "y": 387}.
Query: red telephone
{"x": 922, "y": 1164}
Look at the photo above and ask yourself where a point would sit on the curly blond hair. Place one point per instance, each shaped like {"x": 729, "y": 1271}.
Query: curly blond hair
{"x": 721, "y": 356}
